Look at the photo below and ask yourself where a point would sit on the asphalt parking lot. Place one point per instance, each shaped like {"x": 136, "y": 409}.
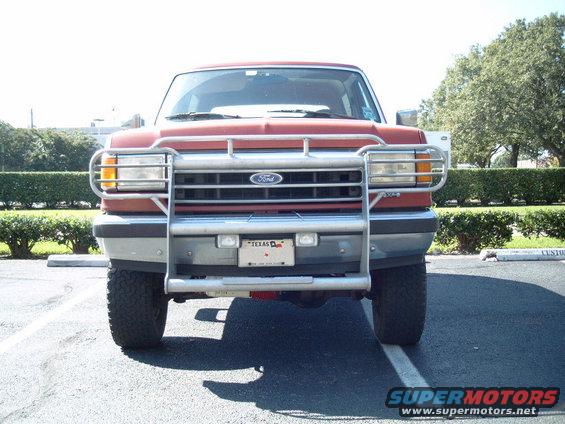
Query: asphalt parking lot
{"x": 243, "y": 361}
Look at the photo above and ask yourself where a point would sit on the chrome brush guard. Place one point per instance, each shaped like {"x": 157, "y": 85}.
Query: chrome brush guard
{"x": 305, "y": 161}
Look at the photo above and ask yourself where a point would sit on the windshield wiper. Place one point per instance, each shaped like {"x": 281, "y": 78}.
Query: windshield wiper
{"x": 195, "y": 116}
{"x": 313, "y": 113}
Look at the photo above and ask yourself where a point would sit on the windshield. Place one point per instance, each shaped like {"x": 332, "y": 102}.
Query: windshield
{"x": 268, "y": 92}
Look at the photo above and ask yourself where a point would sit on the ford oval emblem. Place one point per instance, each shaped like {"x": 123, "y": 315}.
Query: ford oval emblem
{"x": 266, "y": 178}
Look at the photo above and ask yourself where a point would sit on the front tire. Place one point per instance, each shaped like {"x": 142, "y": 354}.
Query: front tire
{"x": 137, "y": 308}
{"x": 399, "y": 303}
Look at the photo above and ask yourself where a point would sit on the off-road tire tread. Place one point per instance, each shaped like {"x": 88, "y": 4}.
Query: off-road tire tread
{"x": 130, "y": 297}
{"x": 399, "y": 304}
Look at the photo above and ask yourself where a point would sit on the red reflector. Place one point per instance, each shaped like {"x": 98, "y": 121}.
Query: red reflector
{"x": 264, "y": 295}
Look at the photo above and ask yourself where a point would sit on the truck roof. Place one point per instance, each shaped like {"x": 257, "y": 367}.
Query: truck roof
{"x": 279, "y": 63}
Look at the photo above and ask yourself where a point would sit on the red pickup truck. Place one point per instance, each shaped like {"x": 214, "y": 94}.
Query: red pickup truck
{"x": 275, "y": 181}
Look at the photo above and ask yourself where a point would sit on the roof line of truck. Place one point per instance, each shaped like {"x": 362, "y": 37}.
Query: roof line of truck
{"x": 278, "y": 63}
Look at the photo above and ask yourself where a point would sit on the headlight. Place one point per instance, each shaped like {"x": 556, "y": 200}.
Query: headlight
{"x": 387, "y": 169}
{"x": 141, "y": 176}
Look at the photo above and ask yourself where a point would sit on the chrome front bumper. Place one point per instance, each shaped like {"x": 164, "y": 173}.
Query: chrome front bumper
{"x": 396, "y": 238}
{"x": 188, "y": 240}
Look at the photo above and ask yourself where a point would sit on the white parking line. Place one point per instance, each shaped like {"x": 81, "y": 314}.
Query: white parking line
{"x": 50, "y": 316}
{"x": 407, "y": 372}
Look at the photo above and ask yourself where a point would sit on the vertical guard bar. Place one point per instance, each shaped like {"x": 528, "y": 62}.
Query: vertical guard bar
{"x": 364, "y": 262}
{"x": 170, "y": 218}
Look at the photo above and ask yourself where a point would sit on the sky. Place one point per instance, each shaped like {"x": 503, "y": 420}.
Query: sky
{"x": 75, "y": 61}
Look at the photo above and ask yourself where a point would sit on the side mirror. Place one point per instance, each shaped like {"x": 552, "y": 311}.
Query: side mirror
{"x": 408, "y": 117}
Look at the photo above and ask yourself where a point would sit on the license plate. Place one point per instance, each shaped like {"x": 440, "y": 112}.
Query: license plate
{"x": 273, "y": 252}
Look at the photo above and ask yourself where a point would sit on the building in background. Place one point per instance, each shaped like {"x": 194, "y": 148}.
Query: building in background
{"x": 545, "y": 160}
{"x": 100, "y": 132}
{"x": 136, "y": 121}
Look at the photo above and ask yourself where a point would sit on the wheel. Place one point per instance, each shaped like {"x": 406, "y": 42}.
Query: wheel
{"x": 137, "y": 308}
{"x": 399, "y": 303}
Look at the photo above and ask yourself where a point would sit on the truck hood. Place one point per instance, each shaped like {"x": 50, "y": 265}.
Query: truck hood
{"x": 144, "y": 137}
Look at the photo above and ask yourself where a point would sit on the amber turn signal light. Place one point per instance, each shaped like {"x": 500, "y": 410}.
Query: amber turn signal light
{"x": 108, "y": 173}
{"x": 423, "y": 167}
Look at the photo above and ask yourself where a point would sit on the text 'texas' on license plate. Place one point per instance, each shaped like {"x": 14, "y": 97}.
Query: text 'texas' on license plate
{"x": 273, "y": 252}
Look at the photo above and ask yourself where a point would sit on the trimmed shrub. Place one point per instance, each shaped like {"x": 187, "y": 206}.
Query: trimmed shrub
{"x": 456, "y": 188}
{"x": 497, "y": 187}
{"x": 543, "y": 222}
{"x": 547, "y": 186}
{"x": 73, "y": 232}
{"x": 20, "y": 232}
{"x": 503, "y": 185}
{"x": 471, "y": 231}
{"x": 50, "y": 188}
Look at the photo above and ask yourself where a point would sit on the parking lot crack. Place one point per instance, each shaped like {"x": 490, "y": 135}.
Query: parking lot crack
{"x": 47, "y": 384}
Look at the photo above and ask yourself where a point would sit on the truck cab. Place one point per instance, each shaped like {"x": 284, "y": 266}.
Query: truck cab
{"x": 275, "y": 181}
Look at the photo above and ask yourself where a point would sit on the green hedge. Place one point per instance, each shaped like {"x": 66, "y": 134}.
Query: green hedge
{"x": 50, "y": 188}
{"x": 503, "y": 185}
{"x": 73, "y": 232}
{"x": 470, "y": 231}
{"x": 543, "y": 222}
{"x": 21, "y": 231}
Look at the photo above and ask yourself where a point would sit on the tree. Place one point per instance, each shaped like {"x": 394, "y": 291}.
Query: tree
{"x": 45, "y": 149}
{"x": 508, "y": 95}
{"x": 16, "y": 143}
{"x": 6, "y": 134}
{"x": 58, "y": 150}
{"x": 457, "y": 106}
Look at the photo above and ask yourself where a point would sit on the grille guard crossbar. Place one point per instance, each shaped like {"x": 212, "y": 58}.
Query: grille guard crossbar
{"x": 361, "y": 160}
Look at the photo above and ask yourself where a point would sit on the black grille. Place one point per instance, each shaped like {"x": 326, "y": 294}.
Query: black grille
{"x": 236, "y": 187}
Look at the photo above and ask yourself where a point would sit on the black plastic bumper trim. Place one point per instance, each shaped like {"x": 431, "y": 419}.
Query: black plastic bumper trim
{"x": 232, "y": 270}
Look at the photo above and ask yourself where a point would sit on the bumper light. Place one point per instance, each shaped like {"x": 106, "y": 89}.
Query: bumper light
{"x": 227, "y": 241}
{"x": 306, "y": 239}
